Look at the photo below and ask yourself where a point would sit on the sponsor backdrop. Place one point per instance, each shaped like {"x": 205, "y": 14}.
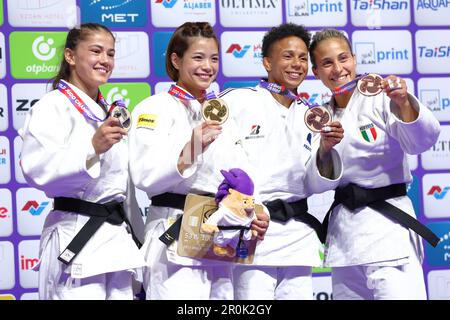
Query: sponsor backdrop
{"x": 408, "y": 38}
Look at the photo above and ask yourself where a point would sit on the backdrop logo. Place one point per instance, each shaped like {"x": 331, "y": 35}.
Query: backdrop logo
{"x": 380, "y": 5}
{"x": 3, "y": 212}
{"x": 310, "y": 98}
{"x": 259, "y": 13}
{"x": 114, "y": 13}
{"x": 305, "y": 8}
{"x": 431, "y": 98}
{"x": 433, "y": 5}
{"x": 28, "y": 253}
{"x": 42, "y": 49}
{"x": 261, "y": 4}
{"x": 439, "y": 285}
{"x": 436, "y": 199}
{"x": 172, "y": 13}
{"x": 167, "y": 3}
{"x": 367, "y": 54}
{"x": 433, "y": 92}
{"x": 34, "y": 208}
{"x": 23, "y": 97}
{"x": 440, "y": 255}
{"x": 434, "y": 52}
{"x": 442, "y": 145}
{"x": 27, "y": 263}
{"x": 317, "y": 13}
{"x": 237, "y": 50}
{"x": 118, "y": 94}
{"x": 5, "y": 174}
{"x": 383, "y": 51}
{"x": 36, "y": 55}
{"x": 6, "y": 225}
{"x": 437, "y": 192}
{"x": 131, "y": 92}
{"x": 438, "y": 156}
{"x": 39, "y": 13}
{"x": 160, "y": 42}
{"x": 3, "y": 108}
{"x": 3, "y": 155}
{"x": 132, "y": 56}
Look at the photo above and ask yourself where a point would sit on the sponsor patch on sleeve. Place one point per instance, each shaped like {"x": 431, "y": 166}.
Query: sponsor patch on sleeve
{"x": 147, "y": 120}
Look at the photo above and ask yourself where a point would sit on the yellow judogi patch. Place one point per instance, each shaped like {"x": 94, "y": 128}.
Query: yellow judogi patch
{"x": 147, "y": 120}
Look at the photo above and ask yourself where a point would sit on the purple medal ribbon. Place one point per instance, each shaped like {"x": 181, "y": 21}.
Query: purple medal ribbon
{"x": 348, "y": 87}
{"x": 179, "y": 93}
{"x": 78, "y": 103}
{"x": 282, "y": 90}
{"x": 83, "y": 108}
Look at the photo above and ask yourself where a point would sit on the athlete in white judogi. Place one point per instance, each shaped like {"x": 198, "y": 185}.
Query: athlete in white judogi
{"x": 173, "y": 152}
{"x": 279, "y": 147}
{"x": 373, "y": 256}
{"x": 72, "y": 149}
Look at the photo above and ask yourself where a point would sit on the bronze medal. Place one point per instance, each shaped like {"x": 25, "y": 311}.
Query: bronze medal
{"x": 215, "y": 109}
{"x": 317, "y": 117}
{"x": 123, "y": 115}
{"x": 370, "y": 85}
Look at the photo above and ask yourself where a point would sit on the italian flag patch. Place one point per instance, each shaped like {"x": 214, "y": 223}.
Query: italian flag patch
{"x": 368, "y": 132}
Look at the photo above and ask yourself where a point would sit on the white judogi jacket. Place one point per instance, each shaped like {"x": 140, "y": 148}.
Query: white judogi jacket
{"x": 57, "y": 144}
{"x": 279, "y": 148}
{"x": 156, "y": 142}
{"x": 373, "y": 152}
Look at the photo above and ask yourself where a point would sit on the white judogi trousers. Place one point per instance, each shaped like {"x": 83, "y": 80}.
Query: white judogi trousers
{"x": 380, "y": 282}
{"x": 54, "y": 284}
{"x": 273, "y": 283}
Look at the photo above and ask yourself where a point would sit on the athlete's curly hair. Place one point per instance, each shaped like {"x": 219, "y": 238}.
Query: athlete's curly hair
{"x": 283, "y": 31}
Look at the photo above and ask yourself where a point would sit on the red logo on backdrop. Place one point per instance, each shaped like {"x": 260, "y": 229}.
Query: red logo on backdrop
{"x": 27, "y": 263}
{"x": 3, "y": 212}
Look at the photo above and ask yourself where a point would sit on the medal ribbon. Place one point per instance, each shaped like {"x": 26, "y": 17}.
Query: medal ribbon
{"x": 182, "y": 94}
{"x": 78, "y": 103}
{"x": 348, "y": 87}
{"x": 282, "y": 90}
{"x": 83, "y": 108}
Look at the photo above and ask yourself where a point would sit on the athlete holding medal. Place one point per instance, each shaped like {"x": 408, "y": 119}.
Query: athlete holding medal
{"x": 180, "y": 141}
{"x": 75, "y": 151}
{"x": 373, "y": 245}
{"x": 284, "y": 154}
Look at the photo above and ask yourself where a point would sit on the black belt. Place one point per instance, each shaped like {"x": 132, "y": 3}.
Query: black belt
{"x": 171, "y": 200}
{"x": 283, "y": 211}
{"x": 240, "y": 245}
{"x": 354, "y": 197}
{"x": 111, "y": 212}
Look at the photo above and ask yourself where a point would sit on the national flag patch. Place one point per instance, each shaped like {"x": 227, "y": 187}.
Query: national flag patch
{"x": 368, "y": 132}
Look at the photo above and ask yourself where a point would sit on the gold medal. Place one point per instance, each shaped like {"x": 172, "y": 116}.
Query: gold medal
{"x": 317, "y": 117}
{"x": 370, "y": 85}
{"x": 123, "y": 115}
{"x": 215, "y": 109}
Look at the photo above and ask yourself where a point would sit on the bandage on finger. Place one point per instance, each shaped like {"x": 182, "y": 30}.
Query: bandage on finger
{"x": 394, "y": 85}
